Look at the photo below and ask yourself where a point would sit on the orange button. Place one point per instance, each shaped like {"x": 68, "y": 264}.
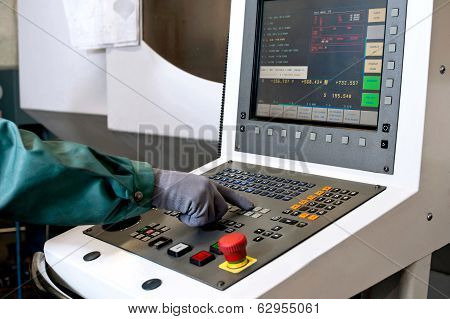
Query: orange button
{"x": 327, "y": 188}
{"x": 312, "y": 197}
{"x": 319, "y": 193}
{"x": 313, "y": 217}
{"x": 303, "y": 202}
{"x": 304, "y": 215}
{"x": 296, "y": 206}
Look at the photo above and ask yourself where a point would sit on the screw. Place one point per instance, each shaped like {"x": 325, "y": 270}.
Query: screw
{"x": 442, "y": 69}
{"x": 220, "y": 284}
{"x": 386, "y": 169}
{"x": 429, "y": 216}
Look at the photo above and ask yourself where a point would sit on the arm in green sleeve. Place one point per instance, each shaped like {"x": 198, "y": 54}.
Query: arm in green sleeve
{"x": 62, "y": 183}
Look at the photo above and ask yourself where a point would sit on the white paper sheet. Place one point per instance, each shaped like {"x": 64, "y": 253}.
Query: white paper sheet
{"x": 95, "y": 24}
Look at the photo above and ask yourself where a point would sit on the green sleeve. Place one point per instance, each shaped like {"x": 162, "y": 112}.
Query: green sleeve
{"x": 62, "y": 183}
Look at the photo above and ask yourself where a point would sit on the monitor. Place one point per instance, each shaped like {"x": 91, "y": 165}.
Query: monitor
{"x": 320, "y": 81}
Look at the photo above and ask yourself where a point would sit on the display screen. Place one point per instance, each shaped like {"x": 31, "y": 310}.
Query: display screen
{"x": 320, "y": 61}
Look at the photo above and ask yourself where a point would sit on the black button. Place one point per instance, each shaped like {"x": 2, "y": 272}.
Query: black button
{"x": 91, "y": 256}
{"x": 312, "y": 204}
{"x": 277, "y": 236}
{"x": 287, "y": 211}
{"x": 230, "y": 223}
{"x": 275, "y": 218}
{"x": 331, "y": 207}
{"x": 335, "y": 190}
{"x": 277, "y": 228}
{"x": 239, "y": 225}
{"x": 258, "y": 239}
{"x": 338, "y": 202}
{"x": 313, "y": 210}
{"x": 268, "y": 233}
{"x": 259, "y": 231}
{"x": 345, "y": 192}
{"x": 346, "y": 198}
{"x": 295, "y": 213}
{"x": 160, "y": 242}
{"x": 386, "y": 128}
{"x": 329, "y": 201}
{"x": 243, "y": 115}
{"x": 230, "y": 230}
{"x": 337, "y": 196}
{"x": 151, "y": 284}
{"x": 304, "y": 208}
{"x": 302, "y": 224}
{"x": 242, "y": 128}
{"x": 288, "y": 221}
{"x": 320, "y": 206}
{"x": 322, "y": 212}
{"x": 320, "y": 199}
{"x": 353, "y": 193}
{"x": 384, "y": 144}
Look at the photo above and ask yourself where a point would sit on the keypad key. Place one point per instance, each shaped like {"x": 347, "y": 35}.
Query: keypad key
{"x": 337, "y": 196}
{"x": 287, "y": 198}
{"x": 313, "y": 210}
{"x": 345, "y": 192}
{"x": 330, "y": 207}
{"x": 338, "y": 202}
{"x": 302, "y": 224}
{"x": 248, "y": 214}
{"x": 179, "y": 250}
{"x": 258, "y": 191}
{"x": 230, "y": 230}
{"x": 264, "y": 193}
{"x": 268, "y": 233}
{"x": 310, "y": 185}
{"x": 239, "y": 225}
{"x": 353, "y": 193}
{"x": 328, "y": 194}
{"x": 256, "y": 215}
{"x": 346, "y": 198}
{"x": 335, "y": 190}
{"x": 276, "y": 236}
{"x": 277, "y": 228}
{"x": 257, "y": 209}
{"x": 140, "y": 236}
{"x": 312, "y": 204}
{"x": 258, "y": 239}
{"x": 287, "y": 211}
{"x": 271, "y": 195}
{"x": 259, "y": 231}
{"x": 275, "y": 218}
{"x": 201, "y": 258}
{"x": 234, "y": 209}
{"x": 230, "y": 223}
{"x": 279, "y": 197}
{"x": 320, "y": 199}
{"x": 214, "y": 248}
{"x": 265, "y": 211}
{"x": 304, "y": 208}
{"x": 134, "y": 234}
{"x": 329, "y": 201}
{"x": 288, "y": 221}
{"x": 295, "y": 213}
{"x": 320, "y": 206}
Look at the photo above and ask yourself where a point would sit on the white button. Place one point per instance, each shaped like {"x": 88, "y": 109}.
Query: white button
{"x": 270, "y": 132}
{"x": 388, "y": 100}
{"x": 257, "y": 130}
{"x": 345, "y": 140}
{"x": 393, "y": 30}
{"x": 283, "y": 133}
{"x": 395, "y": 12}
{"x": 391, "y": 65}
{"x": 390, "y": 83}
{"x": 298, "y": 135}
{"x": 329, "y": 138}
{"x": 392, "y": 47}
{"x": 362, "y": 142}
{"x": 179, "y": 247}
{"x": 312, "y": 136}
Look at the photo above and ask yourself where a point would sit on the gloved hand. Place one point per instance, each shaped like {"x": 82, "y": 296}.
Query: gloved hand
{"x": 199, "y": 200}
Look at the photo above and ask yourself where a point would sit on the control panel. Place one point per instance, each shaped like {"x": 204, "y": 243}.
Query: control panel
{"x": 320, "y": 81}
{"x": 289, "y": 208}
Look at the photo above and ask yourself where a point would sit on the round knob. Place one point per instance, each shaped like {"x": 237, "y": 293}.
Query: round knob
{"x": 233, "y": 246}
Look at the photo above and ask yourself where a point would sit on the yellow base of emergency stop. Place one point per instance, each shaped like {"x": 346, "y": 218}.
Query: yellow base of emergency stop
{"x": 225, "y": 266}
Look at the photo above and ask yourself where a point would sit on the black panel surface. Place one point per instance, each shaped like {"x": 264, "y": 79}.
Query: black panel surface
{"x": 264, "y": 251}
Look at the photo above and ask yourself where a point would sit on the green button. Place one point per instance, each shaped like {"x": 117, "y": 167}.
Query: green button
{"x": 370, "y": 100}
{"x": 372, "y": 83}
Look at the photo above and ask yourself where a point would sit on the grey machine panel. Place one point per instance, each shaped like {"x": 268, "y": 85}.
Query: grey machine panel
{"x": 371, "y": 157}
{"x": 262, "y": 185}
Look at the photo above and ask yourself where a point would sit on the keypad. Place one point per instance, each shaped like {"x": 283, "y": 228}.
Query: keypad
{"x": 279, "y": 188}
{"x": 150, "y": 231}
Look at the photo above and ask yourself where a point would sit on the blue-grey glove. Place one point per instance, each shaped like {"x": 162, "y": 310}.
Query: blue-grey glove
{"x": 199, "y": 200}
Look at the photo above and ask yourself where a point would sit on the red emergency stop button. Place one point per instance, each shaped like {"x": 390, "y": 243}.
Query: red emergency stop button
{"x": 234, "y": 248}
{"x": 202, "y": 258}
